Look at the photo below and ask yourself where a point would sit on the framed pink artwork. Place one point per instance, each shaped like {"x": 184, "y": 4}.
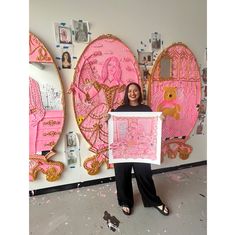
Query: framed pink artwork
{"x": 135, "y": 137}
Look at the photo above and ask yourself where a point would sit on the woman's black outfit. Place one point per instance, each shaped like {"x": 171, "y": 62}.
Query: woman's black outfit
{"x": 142, "y": 172}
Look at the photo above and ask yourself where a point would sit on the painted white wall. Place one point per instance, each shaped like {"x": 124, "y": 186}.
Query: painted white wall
{"x": 132, "y": 21}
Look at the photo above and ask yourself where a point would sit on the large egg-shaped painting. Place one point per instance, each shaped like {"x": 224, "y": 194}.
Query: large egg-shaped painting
{"x": 46, "y": 110}
{"x": 104, "y": 69}
{"x": 175, "y": 90}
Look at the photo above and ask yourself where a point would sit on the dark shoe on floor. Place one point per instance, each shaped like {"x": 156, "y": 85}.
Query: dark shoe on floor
{"x": 126, "y": 210}
{"x": 163, "y": 209}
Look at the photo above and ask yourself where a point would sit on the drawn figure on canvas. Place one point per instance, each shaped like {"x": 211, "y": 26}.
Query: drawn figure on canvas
{"x": 36, "y": 112}
{"x": 169, "y": 106}
{"x": 103, "y": 93}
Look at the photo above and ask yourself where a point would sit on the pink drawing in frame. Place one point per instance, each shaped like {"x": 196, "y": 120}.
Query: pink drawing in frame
{"x": 135, "y": 137}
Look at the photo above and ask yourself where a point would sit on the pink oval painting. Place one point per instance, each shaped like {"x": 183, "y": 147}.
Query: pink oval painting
{"x": 175, "y": 90}
{"x": 37, "y": 51}
{"x": 46, "y": 111}
{"x": 104, "y": 69}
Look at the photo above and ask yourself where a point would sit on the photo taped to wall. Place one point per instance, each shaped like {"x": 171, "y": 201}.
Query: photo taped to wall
{"x": 145, "y": 58}
{"x": 81, "y": 31}
{"x": 156, "y": 41}
{"x": 65, "y": 35}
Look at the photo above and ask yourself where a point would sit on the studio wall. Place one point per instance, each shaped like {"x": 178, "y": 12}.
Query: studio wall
{"x": 132, "y": 21}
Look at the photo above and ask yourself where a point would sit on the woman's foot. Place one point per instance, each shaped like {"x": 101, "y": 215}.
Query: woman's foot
{"x": 126, "y": 210}
{"x": 163, "y": 209}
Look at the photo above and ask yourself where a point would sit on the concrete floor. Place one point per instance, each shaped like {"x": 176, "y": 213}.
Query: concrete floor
{"x": 93, "y": 210}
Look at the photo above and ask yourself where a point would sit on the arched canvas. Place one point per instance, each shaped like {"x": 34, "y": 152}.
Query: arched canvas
{"x": 104, "y": 69}
{"x": 177, "y": 95}
{"x": 46, "y": 111}
{"x": 37, "y": 51}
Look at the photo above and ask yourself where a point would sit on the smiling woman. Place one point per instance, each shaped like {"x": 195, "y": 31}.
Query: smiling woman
{"x": 142, "y": 171}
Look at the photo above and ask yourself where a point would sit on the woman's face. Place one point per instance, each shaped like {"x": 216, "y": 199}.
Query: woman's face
{"x": 66, "y": 56}
{"x": 133, "y": 93}
{"x": 111, "y": 68}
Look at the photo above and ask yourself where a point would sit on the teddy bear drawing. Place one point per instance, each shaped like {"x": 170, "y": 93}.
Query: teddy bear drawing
{"x": 169, "y": 106}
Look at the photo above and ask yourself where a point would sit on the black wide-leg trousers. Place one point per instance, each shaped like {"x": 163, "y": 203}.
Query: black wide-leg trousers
{"x": 143, "y": 175}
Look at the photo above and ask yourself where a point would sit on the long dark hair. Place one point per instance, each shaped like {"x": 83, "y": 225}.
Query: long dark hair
{"x": 69, "y": 58}
{"x": 126, "y": 98}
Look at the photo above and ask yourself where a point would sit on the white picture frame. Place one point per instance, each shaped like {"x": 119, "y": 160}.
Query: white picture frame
{"x": 147, "y": 144}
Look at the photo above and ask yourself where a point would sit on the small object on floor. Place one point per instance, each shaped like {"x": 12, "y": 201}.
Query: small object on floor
{"x": 112, "y": 221}
{"x": 163, "y": 209}
{"x": 126, "y": 210}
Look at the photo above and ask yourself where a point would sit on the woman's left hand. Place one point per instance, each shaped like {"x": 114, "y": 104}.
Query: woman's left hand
{"x": 162, "y": 117}
{"x": 107, "y": 117}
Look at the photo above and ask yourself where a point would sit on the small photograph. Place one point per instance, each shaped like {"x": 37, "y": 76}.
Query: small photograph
{"x": 56, "y": 31}
{"x": 66, "y": 60}
{"x": 71, "y": 157}
{"x": 144, "y": 72}
{"x": 202, "y": 107}
{"x": 145, "y": 91}
{"x": 155, "y": 41}
{"x": 145, "y": 58}
{"x": 72, "y": 149}
{"x": 65, "y": 35}
{"x": 205, "y": 57}
{"x": 204, "y": 75}
{"x": 71, "y": 140}
{"x": 205, "y": 90}
{"x": 81, "y": 29}
{"x": 199, "y": 129}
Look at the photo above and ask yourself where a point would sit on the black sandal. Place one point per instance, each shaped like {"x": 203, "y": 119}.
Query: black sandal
{"x": 163, "y": 209}
{"x": 125, "y": 212}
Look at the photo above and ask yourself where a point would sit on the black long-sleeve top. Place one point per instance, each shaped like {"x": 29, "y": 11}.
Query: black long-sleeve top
{"x": 129, "y": 108}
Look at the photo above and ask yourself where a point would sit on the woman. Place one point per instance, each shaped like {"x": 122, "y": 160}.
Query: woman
{"x": 142, "y": 171}
{"x": 66, "y": 60}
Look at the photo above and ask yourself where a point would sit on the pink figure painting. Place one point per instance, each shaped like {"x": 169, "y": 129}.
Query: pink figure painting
{"x": 102, "y": 72}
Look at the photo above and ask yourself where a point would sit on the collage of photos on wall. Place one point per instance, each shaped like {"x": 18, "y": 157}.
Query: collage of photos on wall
{"x": 72, "y": 149}
{"x": 146, "y": 59}
{"x": 66, "y": 37}
{"x": 201, "y": 123}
